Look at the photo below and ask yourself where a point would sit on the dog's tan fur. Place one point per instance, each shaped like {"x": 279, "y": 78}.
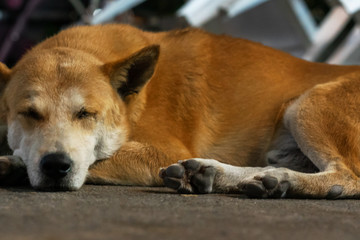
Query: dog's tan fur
{"x": 203, "y": 96}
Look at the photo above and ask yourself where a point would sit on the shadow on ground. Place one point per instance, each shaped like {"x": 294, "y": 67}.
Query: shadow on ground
{"x": 117, "y": 212}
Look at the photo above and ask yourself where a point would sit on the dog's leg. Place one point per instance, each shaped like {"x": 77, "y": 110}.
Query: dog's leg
{"x": 283, "y": 182}
{"x": 324, "y": 124}
{"x": 205, "y": 176}
{"x": 12, "y": 171}
{"x": 134, "y": 164}
{"x": 211, "y": 176}
{"x": 12, "y": 168}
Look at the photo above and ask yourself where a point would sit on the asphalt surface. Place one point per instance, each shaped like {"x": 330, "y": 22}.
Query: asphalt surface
{"x": 118, "y": 212}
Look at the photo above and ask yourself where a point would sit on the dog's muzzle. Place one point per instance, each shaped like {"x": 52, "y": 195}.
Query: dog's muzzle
{"x": 55, "y": 165}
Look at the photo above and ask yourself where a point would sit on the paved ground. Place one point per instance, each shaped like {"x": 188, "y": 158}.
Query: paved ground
{"x": 113, "y": 212}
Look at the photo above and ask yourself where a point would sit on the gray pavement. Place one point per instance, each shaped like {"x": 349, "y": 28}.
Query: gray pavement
{"x": 118, "y": 212}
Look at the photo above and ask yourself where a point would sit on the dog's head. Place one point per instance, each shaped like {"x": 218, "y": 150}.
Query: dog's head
{"x": 65, "y": 109}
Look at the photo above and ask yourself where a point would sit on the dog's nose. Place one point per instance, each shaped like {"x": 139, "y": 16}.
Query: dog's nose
{"x": 55, "y": 165}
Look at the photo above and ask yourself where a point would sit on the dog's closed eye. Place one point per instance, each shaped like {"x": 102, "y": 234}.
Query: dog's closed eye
{"x": 84, "y": 114}
{"x": 32, "y": 114}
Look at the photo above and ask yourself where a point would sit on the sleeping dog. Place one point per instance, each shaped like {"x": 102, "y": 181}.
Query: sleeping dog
{"x": 113, "y": 104}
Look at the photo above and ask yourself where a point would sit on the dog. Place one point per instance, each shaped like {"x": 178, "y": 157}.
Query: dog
{"x": 112, "y": 104}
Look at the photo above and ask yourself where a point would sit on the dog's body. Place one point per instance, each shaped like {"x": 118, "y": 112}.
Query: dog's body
{"x": 107, "y": 93}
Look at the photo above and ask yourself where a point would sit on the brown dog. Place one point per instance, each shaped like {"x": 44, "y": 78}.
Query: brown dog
{"x": 112, "y": 104}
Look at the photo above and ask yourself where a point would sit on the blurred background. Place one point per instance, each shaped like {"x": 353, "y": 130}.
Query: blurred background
{"x": 316, "y": 30}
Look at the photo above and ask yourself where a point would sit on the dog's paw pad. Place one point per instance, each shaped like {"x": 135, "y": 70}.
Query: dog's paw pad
{"x": 190, "y": 176}
{"x": 203, "y": 181}
{"x": 269, "y": 182}
{"x": 172, "y": 183}
{"x": 265, "y": 186}
{"x": 191, "y": 165}
{"x": 172, "y": 176}
{"x": 335, "y": 192}
{"x": 175, "y": 171}
{"x": 255, "y": 190}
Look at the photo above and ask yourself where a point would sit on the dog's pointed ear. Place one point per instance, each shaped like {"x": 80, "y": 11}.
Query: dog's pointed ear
{"x": 130, "y": 75}
{"x": 4, "y": 76}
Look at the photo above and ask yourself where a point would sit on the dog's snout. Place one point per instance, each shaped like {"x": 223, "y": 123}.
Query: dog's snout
{"x": 55, "y": 165}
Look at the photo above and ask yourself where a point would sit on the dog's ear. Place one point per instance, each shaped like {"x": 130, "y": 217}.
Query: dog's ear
{"x": 4, "y": 76}
{"x": 130, "y": 75}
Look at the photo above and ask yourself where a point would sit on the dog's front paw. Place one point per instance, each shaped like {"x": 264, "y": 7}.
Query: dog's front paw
{"x": 272, "y": 183}
{"x": 12, "y": 171}
{"x": 191, "y": 176}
